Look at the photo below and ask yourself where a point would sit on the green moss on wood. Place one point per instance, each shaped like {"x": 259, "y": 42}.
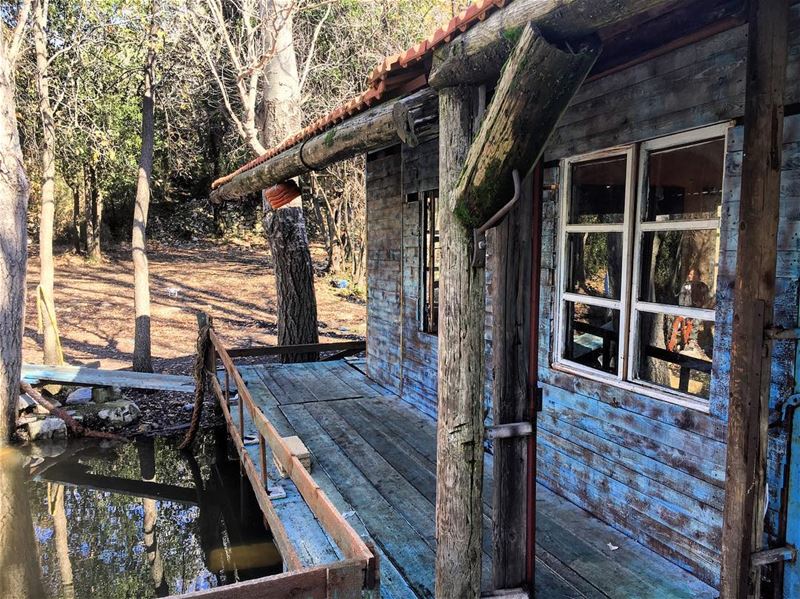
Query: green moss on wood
{"x": 329, "y": 137}
{"x": 512, "y": 34}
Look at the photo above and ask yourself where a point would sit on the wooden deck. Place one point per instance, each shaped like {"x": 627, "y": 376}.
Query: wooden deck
{"x": 374, "y": 456}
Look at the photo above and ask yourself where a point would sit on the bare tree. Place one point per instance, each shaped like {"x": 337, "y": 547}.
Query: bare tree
{"x": 46, "y": 297}
{"x": 244, "y": 50}
{"x": 142, "y": 361}
{"x": 13, "y": 249}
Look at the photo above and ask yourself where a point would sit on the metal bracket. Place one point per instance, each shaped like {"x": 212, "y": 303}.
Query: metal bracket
{"x": 508, "y": 431}
{"x": 478, "y": 249}
{"x": 479, "y": 235}
{"x": 773, "y": 556}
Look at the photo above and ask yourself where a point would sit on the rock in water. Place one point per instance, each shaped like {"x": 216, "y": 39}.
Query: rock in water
{"x": 119, "y": 413}
{"x": 80, "y": 397}
{"x": 47, "y": 428}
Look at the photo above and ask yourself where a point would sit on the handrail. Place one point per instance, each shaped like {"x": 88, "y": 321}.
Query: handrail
{"x": 351, "y": 544}
{"x": 307, "y": 348}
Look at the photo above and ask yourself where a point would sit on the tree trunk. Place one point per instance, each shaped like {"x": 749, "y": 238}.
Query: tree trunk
{"x": 147, "y": 464}
{"x": 52, "y": 354}
{"x": 94, "y": 215}
{"x": 13, "y": 251}
{"x": 20, "y": 576}
{"x": 459, "y": 452}
{"x": 61, "y": 537}
{"x": 285, "y": 228}
{"x": 142, "y": 361}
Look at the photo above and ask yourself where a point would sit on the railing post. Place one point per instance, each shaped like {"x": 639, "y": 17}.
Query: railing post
{"x": 263, "y": 449}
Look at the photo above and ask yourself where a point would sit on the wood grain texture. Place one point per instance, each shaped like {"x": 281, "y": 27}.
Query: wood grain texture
{"x": 478, "y": 55}
{"x": 510, "y": 264}
{"x": 460, "y": 417}
{"x": 537, "y": 84}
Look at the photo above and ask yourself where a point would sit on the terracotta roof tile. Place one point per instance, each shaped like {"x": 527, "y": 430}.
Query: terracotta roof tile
{"x": 396, "y": 74}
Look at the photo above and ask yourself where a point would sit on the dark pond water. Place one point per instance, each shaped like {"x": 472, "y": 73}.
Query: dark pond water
{"x": 136, "y": 520}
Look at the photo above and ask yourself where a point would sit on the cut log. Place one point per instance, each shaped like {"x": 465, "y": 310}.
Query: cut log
{"x": 377, "y": 128}
{"x": 478, "y": 55}
{"x": 459, "y": 432}
{"x": 754, "y": 298}
{"x": 534, "y": 90}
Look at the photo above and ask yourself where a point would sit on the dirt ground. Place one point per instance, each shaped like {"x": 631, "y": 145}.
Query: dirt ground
{"x": 236, "y": 285}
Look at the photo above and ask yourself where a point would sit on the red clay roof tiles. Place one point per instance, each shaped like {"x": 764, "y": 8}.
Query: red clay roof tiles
{"x": 398, "y": 74}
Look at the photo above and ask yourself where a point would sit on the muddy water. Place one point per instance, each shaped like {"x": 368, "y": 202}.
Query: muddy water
{"x": 139, "y": 520}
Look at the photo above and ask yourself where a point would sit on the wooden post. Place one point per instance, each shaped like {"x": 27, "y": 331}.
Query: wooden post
{"x": 511, "y": 316}
{"x": 459, "y": 452}
{"x": 754, "y": 296}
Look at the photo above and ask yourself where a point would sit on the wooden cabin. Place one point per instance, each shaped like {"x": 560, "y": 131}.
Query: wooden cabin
{"x": 609, "y": 286}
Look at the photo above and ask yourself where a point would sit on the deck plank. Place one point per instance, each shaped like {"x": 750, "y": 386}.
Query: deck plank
{"x": 374, "y": 455}
{"x": 403, "y": 546}
{"x": 82, "y": 375}
{"x": 393, "y": 584}
{"x": 313, "y": 545}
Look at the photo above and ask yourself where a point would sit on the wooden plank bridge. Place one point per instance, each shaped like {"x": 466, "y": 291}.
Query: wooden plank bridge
{"x": 362, "y": 522}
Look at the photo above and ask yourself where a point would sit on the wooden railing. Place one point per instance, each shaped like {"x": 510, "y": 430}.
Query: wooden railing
{"x": 343, "y": 349}
{"x": 356, "y": 575}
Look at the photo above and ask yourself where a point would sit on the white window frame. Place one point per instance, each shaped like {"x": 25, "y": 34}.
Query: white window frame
{"x": 632, "y": 229}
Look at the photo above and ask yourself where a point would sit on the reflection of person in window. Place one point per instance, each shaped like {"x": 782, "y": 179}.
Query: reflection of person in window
{"x": 694, "y": 294}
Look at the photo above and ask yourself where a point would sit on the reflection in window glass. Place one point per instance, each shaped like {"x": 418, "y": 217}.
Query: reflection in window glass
{"x": 679, "y": 268}
{"x": 675, "y": 352}
{"x": 598, "y": 191}
{"x": 592, "y": 336}
{"x": 685, "y": 183}
{"x": 595, "y": 264}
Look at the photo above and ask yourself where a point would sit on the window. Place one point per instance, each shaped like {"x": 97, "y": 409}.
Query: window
{"x": 638, "y": 262}
{"x": 429, "y": 263}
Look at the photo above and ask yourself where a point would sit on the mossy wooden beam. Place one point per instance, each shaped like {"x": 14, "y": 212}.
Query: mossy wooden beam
{"x": 478, "y": 55}
{"x": 407, "y": 119}
{"x": 535, "y": 87}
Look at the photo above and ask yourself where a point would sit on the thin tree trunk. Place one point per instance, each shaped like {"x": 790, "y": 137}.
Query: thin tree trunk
{"x": 48, "y": 165}
{"x": 147, "y": 465}
{"x": 286, "y": 227}
{"x": 94, "y": 214}
{"x": 20, "y": 576}
{"x": 142, "y": 361}
{"x": 61, "y": 536}
{"x": 459, "y": 450}
{"x": 13, "y": 251}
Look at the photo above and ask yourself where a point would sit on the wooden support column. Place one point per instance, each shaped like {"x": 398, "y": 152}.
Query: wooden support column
{"x": 511, "y": 316}
{"x": 754, "y": 296}
{"x": 459, "y": 452}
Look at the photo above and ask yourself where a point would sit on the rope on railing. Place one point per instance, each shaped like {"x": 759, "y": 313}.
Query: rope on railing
{"x": 203, "y": 346}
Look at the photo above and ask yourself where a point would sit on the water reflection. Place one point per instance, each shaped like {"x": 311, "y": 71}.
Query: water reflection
{"x": 140, "y": 520}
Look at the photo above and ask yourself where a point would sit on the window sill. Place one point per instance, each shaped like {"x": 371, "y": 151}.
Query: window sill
{"x": 685, "y": 401}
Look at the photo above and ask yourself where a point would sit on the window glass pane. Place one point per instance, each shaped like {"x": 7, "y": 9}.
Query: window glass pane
{"x": 685, "y": 183}
{"x": 594, "y": 264}
{"x": 679, "y": 268}
{"x": 675, "y": 352}
{"x": 592, "y": 336}
{"x": 597, "y": 193}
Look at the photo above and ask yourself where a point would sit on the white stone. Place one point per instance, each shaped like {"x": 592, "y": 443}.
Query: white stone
{"x": 80, "y": 396}
{"x": 47, "y": 428}
{"x": 120, "y": 412}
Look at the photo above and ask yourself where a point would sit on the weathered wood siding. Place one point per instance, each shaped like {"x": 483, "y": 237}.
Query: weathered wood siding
{"x": 420, "y": 349}
{"x": 384, "y": 263}
{"x": 399, "y": 354}
{"x": 652, "y": 469}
